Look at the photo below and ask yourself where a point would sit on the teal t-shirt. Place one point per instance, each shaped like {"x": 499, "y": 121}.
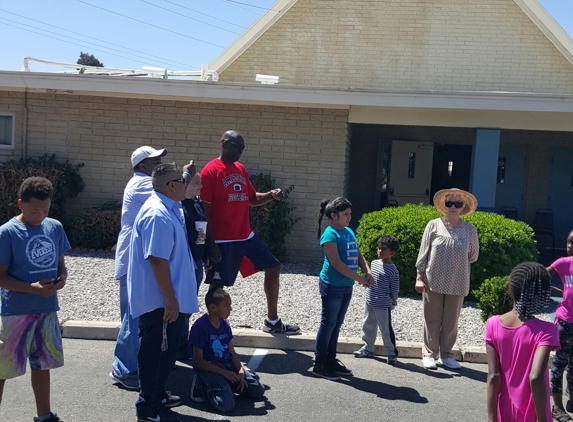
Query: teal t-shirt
{"x": 347, "y": 250}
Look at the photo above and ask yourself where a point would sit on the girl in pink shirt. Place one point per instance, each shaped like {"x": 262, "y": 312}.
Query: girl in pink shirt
{"x": 564, "y": 321}
{"x": 518, "y": 346}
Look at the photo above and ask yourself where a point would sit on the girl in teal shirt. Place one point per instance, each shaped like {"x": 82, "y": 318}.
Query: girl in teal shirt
{"x": 341, "y": 261}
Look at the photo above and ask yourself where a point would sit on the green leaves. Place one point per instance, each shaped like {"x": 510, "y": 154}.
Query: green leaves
{"x": 504, "y": 243}
{"x": 273, "y": 221}
{"x": 493, "y": 297}
{"x": 97, "y": 227}
{"x": 64, "y": 176}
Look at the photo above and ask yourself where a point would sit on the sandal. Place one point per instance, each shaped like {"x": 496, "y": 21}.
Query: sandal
{"x": 560, "y": 415}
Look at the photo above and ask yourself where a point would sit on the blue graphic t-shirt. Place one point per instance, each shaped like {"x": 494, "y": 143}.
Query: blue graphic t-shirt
{"x": 347, "y": 250}
{"x": 213, "y": 341}
{"x": 31, "y": 254}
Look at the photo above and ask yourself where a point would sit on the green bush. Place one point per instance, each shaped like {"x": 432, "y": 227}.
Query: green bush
{"x": 64, "y": 176}
{"x": 98, "y": 227}
{"x": 493, "y": 298}
{"x": 504, "y": 243}
{"x": 272, "y": 222}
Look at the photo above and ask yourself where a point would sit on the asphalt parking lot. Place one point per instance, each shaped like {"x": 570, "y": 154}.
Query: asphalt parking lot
{"x": 82, "y": 390}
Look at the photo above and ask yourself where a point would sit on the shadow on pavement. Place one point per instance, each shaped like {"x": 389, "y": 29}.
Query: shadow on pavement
{"x": 386, "y": 391}
{"x": 180, "y": 383}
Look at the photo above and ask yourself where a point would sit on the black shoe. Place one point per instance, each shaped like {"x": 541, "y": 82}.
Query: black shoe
{"x": 569, "y": 407}
{"x": 392, "y": 360}
{"x": 339, "y": 368}
{"x": 321, "y": 370}
{"x": 280, "y": 327}
{"x": 52, "y": 418}
{"x": 171, "y": 400}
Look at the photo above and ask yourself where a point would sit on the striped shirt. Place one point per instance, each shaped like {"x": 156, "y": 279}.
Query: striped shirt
{"x": 384, "y": 293}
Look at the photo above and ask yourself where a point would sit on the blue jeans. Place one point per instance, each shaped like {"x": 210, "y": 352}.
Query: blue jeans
{"x": 221, "y": 394}
{"x": 155, "y": 364}
{"x": 184, "y": 352}
{"x": 335, "y": 301}
{"x": 127, "y": 344}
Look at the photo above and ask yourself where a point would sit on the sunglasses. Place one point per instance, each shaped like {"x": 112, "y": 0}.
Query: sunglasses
{"x": 238, "y": 147}
{"x": 180, "y": 180}
{"x": 456, "y": 204}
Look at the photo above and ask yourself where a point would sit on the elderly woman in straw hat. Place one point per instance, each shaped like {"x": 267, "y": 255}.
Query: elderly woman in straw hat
{"x": 449, "y": 246}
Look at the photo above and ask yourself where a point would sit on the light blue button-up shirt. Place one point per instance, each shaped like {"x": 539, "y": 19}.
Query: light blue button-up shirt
{"x": 137, "y": 191}
{"x": 159, "y": 231}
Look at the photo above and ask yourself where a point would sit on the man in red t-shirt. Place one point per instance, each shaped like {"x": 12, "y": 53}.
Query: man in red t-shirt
{"x": 227, "y": 194}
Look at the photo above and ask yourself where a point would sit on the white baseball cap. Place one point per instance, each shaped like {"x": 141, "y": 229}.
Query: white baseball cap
{"x": 142, "y": 153}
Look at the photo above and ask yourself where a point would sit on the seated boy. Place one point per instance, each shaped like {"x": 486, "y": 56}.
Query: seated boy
{"x": 381, "y": 299}
{"x": 219, "y": 372}
{"x": 32, "y": 269}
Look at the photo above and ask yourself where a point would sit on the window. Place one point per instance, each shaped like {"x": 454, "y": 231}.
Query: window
{"x": 6, "y": 130}
{"x": 501, "y": 170}
{"x": 411, "y": 164}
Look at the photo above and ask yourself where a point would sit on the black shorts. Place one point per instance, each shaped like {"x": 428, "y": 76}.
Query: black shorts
{"x": 225, "y": 272}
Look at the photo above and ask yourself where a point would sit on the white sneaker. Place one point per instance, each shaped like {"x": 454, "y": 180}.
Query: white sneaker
{"x": 450, "y": 363}
{"x": 429, "y": 362}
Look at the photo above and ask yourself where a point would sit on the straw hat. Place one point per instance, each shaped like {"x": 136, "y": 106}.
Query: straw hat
{"x": 470, "y": 201}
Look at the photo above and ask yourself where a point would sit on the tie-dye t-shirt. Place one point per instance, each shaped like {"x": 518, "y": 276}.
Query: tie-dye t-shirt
{"x": 347, "y": 250}
{"x": 564, "y": 267}
{"x": 31, "y": 254}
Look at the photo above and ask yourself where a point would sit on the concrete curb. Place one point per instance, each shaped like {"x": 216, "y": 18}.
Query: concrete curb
{"x": 101, "y": 330}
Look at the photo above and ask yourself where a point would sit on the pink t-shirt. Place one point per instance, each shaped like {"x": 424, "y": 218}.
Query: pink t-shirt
{"x": 516, "y": 347}
{"x": 564, "y": 267}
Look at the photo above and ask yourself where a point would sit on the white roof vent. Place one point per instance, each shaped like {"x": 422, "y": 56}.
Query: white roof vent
{"x": 267, "y": 79}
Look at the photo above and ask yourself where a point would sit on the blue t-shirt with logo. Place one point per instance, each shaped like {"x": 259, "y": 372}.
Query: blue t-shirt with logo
{"x": 213, "y": 341}
{"x": 31, "y": 254}
{"x": 347, "y": 250}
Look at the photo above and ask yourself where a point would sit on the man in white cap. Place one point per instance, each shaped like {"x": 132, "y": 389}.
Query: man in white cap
{"x": 138, "y": 190}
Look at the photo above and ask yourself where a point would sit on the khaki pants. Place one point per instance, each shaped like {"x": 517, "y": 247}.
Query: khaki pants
{"x": 441, "y": 314}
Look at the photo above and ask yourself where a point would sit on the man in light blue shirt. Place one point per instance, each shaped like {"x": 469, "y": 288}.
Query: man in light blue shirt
{"x": 138, "y": 190}
{"x": 161, "y": 288}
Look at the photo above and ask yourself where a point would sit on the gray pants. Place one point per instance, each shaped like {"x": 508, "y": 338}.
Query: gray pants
{"x": 375, "y": 318}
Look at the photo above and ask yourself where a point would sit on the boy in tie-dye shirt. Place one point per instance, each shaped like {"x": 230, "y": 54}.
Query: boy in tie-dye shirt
{"x": 32, "y": 270}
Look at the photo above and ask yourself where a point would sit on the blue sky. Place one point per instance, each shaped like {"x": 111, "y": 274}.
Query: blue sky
{"x": 128, "y": 34}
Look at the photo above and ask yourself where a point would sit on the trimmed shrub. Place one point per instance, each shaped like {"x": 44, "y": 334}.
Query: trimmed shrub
{"x": 272, "y": 222}
{"x": 64, "y": 176}
{"x": 504, "y": 243}
{"x": 97, "y": 227}
{"x": 493, "y": 298}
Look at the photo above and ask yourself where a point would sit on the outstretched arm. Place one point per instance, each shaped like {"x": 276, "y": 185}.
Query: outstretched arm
{"x": 259, "y": 198}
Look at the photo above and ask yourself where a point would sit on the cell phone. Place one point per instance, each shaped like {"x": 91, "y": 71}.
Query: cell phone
{"x": 57, "y": 280}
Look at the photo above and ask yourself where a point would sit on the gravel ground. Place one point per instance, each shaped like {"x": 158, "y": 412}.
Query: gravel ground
{"x": 91, "y": 294}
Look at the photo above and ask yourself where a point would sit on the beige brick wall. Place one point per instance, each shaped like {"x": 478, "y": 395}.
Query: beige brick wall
{"x": 307, "y": 148}
{"x": 13, "y": 102}
{"x": 446, "y": 45}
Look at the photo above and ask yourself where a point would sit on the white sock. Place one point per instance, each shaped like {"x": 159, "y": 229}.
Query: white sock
{"x": 43, "y": 418}
{"x": 273, "y": 322}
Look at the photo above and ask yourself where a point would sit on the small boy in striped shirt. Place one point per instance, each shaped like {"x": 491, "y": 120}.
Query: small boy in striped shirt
{"x": 381, "y": 298}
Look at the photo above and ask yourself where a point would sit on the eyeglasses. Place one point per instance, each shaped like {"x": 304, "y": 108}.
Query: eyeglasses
{"x": 180, "y": 180}
{"x": 238, "y": 147}
{"x": 456, "y": 204}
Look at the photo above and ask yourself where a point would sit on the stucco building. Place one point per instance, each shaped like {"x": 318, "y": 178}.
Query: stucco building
{"x": 387, "y": 100}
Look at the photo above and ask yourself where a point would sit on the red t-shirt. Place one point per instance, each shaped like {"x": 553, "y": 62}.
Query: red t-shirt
{"x": 227, "y": 188}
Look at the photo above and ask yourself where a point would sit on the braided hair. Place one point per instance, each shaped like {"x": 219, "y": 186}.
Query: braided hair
{"x": 329, "y": 207}
{"x": 530, "y": 288}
